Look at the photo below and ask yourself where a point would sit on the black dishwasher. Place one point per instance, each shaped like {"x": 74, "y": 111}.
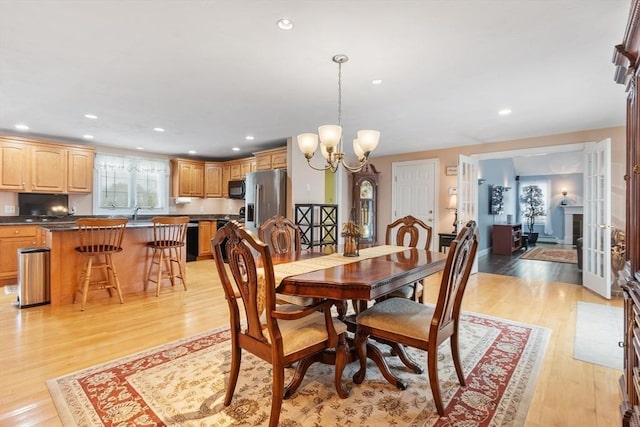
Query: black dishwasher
{"x": 192, "y": 241}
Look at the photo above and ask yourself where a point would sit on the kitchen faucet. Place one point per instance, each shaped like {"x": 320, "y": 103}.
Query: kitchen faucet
{"x": 135, "y": 212}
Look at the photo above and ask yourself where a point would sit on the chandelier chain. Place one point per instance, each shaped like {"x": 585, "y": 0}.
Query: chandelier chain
{"x": 340, "y": 93}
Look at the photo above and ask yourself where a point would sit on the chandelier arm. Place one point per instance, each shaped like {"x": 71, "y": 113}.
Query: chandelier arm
{"x": 328, "y": 166}
{"x": 358, "y": 168}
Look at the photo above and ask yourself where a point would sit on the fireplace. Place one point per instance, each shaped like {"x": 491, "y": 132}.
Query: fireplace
{"x": 572, "y": 223}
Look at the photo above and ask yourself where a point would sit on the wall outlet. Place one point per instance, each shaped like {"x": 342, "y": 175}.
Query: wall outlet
{"x": 9, "y": 209}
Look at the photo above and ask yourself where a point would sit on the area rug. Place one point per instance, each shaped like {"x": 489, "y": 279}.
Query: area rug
{"x": 183, "y": 384}
{"x": 599, "y": 329}
{"x": 551, "y": 254}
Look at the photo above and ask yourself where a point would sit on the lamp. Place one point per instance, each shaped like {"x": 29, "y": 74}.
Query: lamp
{"x": 453, "y": 205}
{"x": 331, "y": 138}
{"x": 564, "y": 196}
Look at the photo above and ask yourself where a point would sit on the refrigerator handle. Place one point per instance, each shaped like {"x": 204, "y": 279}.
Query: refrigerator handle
{"x": 258, "y": 204}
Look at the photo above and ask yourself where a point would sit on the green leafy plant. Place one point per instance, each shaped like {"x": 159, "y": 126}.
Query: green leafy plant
{"x": 531, "y": 198}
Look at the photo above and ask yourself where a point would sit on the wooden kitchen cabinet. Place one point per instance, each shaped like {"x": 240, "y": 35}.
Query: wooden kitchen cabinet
{"x": 226, "y": 177}
{"x": 79, "y": 171}
{"x": 236, "y": 171}
{"x": 48, "y": 164}
{"x": 187, "y": 178}
{"x": 41, "y": 167}
{"x": 14, "y": 163}
{"x": 271, "y": 159}
{"x": 206, "y": 231}
{"x": 212, "y": 179}
{"x": 13, "y": 238}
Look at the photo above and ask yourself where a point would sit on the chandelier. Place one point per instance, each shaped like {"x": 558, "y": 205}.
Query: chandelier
{"x": 331, "y": 138}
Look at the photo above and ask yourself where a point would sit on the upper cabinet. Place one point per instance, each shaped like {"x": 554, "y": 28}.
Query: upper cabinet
{"x": 212, "y": 179}
{"x": 271, "y": 159}
{"x": 39, "y": 167}
{"x": 187, "y": 178}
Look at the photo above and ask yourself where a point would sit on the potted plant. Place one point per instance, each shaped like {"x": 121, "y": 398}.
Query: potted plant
{"x": 352, "y": 233}
{"x": 531, "y": 198}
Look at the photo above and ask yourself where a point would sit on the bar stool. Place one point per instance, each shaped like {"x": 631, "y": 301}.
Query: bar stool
{"x": 99, "y": 239}
{"x": 168, "y": 238}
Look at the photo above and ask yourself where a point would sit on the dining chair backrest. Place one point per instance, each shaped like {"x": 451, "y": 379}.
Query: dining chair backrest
{"x": 281, "y": 234}
{"x": 169, "y": 231}
{"x": 455, "y": 275}
{"x": 408, "y": 231}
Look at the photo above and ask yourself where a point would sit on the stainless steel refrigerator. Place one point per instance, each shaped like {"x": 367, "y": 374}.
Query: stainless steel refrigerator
{"x": 266, "y": 196}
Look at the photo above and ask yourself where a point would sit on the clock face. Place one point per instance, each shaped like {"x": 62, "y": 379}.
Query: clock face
{"x": 366, "y": 190}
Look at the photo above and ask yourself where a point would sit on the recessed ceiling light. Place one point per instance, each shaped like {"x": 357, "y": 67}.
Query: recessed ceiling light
{"x": 158, "y": 129}
{"x": 87, "y": 136}
{"x": 376, "y": 82}
{"x": 285, "y": 24}
{"x": 139, "y": 148}
{"x": 504, "y": 112}
{"x": 191, "y": 152}
{"x": 21, "y": 126}
{"x": 235, "y": 149}
{"x": 91, "y": 116}
{"x": 249, "y": 138}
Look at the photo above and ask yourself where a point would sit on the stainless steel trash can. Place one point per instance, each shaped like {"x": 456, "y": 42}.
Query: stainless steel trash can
{"x": 33, "y": 276}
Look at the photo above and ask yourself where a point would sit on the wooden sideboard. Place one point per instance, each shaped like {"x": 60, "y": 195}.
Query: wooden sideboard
{"x": 506, "y": 238}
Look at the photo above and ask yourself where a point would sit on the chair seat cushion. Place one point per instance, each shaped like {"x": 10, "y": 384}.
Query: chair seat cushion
{"x": 406, "y": 291}
{"x": 302, "y": 333}
{"x": 400, "y": 316}
{"x": 293, "y": 299}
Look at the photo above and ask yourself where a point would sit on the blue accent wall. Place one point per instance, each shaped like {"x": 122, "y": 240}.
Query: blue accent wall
{"x": 494, "y": 172}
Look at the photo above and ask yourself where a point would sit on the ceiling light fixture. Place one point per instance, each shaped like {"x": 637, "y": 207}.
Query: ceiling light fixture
{"x": 249, "y": 138}
{"x": 87, "y": 136}
{"x": 331, "y": 137}
{"x": 504, "y": 112}
{"x": 139, "y": 148}
{"x": 376, "y": 82}
{"x": 235, "y": 149}
{"x": 91, "y": 116}
{"x": 21, "y": 126}
{"x": 285, "y": 24}
{"x": 191, "y": 152}
{"x": 158, "y": 129}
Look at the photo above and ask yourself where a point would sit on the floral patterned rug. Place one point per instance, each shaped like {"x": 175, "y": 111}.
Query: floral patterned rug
{"x": 551, "y": 254}
{"x": 183, "y": 384}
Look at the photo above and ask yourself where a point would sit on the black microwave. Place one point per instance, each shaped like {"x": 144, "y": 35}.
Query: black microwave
{"x": 236, "y": 189}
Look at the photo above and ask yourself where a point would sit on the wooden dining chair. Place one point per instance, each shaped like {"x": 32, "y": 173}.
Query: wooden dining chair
{"x": 169, "y": 235}
{"x": 99, "y": 238}
{"x": 409, "y": 231}
{"x": 281, "y": 234}
{"x": 281, "y": 335}
{"x": 422, "y": 326}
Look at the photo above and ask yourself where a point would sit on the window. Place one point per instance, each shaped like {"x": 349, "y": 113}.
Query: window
{"x": 124, "y": 183}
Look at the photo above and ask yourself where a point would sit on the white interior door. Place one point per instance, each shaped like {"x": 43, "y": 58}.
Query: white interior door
{"x": 596, "y": 249}
{"x": 414, "y": 190}
{"x": 468, "y": 195}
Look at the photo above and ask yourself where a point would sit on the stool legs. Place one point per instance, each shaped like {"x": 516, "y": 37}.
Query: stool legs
{"x": 164, "y": 264}
{"x": 110, "y": 281}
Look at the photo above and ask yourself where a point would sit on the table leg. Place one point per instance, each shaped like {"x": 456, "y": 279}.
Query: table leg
{"x": 366, "y": 350}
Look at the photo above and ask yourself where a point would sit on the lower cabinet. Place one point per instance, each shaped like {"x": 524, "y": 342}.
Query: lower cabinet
{"x": 13, "y": 238}
{"x": 206, "y": 231}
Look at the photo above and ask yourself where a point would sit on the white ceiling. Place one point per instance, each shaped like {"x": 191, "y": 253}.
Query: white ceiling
{"x": 213, "y": 72}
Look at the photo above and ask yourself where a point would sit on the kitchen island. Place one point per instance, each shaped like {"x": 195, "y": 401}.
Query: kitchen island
{"x": 131, "y": 264}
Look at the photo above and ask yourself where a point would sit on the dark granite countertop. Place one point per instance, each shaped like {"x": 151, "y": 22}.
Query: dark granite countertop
{"x": 68, "y": 221}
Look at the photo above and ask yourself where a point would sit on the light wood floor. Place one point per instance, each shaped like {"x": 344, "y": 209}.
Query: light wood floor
{"x": 40, "y": 343}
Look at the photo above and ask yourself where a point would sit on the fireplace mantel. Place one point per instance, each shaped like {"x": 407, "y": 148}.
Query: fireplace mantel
{"x": 569, "y": 212}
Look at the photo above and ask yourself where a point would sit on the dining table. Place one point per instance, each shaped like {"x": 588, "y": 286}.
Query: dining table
{"x": 375, "y": 273}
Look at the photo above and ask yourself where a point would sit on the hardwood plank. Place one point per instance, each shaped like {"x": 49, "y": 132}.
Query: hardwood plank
{"x": 44, "y": 342}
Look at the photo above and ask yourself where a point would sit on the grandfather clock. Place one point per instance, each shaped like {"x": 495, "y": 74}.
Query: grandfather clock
{"x": 365, "y": 202}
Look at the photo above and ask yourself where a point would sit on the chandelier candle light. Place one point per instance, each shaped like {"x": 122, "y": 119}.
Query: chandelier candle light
{"x": 331, "y": 137}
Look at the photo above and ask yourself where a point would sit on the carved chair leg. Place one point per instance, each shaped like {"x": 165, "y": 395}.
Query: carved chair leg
{"x": 360, "y": 344}
{"x": 432, "y": 362}
{"x": 277, "y": 394}
{"x": 236, "y": 357}
{"x": 399, "y": 350}
{"x": 455, "y": 354}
